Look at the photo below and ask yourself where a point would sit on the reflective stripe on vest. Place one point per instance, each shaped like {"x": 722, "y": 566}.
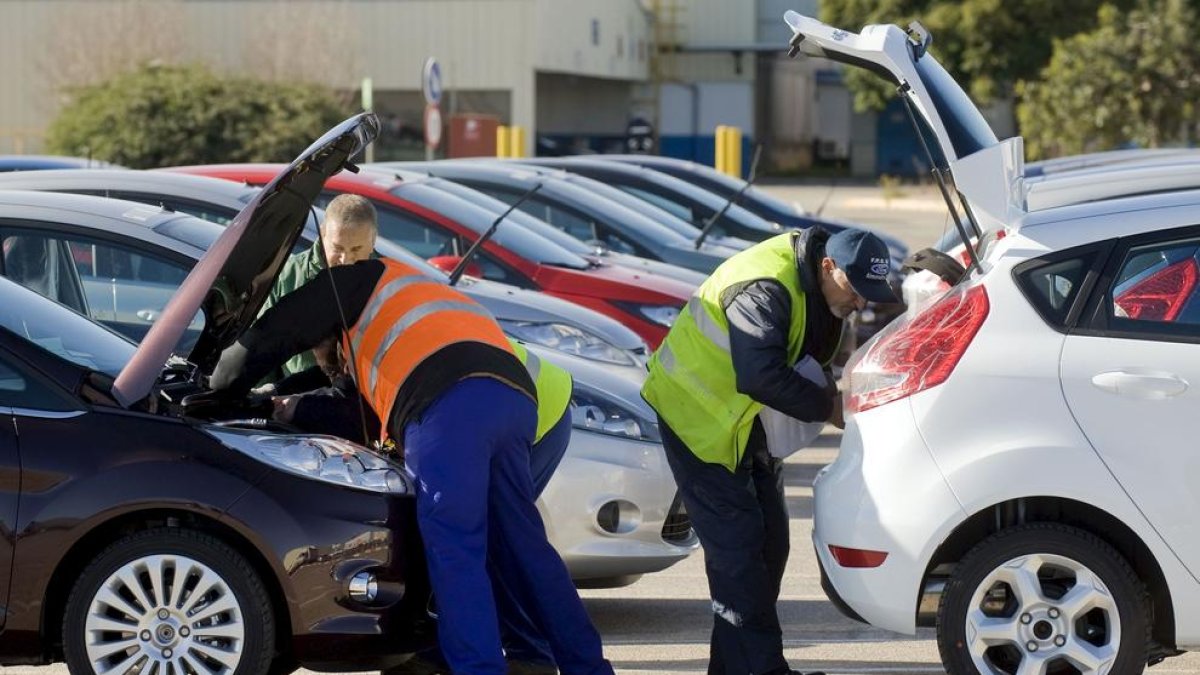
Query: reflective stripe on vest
{"x": 707, "y": 326}
{"x": 692, "y": 384}
{"x": 553, "y": 385}
{"x": 409, "y": 317}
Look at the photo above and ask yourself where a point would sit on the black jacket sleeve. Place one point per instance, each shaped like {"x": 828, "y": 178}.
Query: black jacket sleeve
{"x": 759, "y": 315}
{"x": 337, "y": 410}
{"x": 298, "y": 322}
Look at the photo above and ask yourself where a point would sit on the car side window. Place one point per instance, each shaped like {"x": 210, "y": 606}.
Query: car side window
{"x": 43, "y": 265}
{"x": 18, "y": 390}
{"x": 123, "y": 288}
{"x": 1054, "y": 283}
{"x": 1156, "y": 289}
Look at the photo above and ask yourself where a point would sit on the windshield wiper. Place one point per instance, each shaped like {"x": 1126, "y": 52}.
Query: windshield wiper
{"x": 466, "y": 258}
{"x": 732, "y": 198}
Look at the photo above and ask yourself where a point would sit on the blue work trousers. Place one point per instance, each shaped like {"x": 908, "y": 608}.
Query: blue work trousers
{"x": 470, "y": 454}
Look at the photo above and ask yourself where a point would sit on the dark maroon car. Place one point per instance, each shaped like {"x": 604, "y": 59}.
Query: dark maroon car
{"x": 147, "y": 527}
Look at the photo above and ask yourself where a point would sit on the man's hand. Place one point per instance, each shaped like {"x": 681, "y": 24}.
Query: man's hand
{"x": 836, "y": 418}
{"x": 285, "y": 408}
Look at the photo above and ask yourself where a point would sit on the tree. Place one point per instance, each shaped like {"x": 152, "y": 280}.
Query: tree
{"x": 169, "y": 115}
{"x": 987, "y": 45}
{"x": 1135, "y": 78}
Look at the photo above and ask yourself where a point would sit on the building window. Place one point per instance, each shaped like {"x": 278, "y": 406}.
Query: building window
{"x": 595, "y": 32}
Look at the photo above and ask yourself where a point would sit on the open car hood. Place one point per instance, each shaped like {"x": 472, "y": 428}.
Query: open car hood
{"x": 232, "y": 280}
{"x": 989, "y": 174}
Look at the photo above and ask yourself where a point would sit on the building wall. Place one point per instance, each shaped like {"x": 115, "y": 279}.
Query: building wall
{"x": 482, "y": 46}
{"x": 600, "y": 39}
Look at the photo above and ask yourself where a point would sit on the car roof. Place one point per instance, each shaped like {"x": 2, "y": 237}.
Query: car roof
{"x": 114, "y": 216}
{"x": 1110, "y": 182}
{"x": 202, "y": 188}
{"x": 1122, "y": 217}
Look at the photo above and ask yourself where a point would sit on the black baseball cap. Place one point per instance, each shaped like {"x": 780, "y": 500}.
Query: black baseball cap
{"x": 865, "y": 260}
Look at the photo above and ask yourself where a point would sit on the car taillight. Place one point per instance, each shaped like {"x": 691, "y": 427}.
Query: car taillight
{"x": 855, "y": 557}
{"x": 1162, "y": 295}
{"x": 919, "y": 353}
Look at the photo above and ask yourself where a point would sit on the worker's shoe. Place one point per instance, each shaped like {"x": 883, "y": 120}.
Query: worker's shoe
{"x": 516, "y": 667}
{"x": 421, "y": 663}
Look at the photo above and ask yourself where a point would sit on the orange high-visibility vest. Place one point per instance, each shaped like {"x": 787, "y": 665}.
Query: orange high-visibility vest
{"x": 409, "y": 317}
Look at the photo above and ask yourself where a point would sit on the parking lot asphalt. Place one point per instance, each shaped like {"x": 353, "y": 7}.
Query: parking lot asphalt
{"x": 661, "y": 623}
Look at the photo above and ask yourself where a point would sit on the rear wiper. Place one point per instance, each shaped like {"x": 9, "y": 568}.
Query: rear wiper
{"x": 461, "y": 267}
{"x": 732, "y": 198}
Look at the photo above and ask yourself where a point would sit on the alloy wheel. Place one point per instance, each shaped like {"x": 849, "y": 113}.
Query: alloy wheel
{"x": 165, "y": 615}
{"x": 1043, "y": 614}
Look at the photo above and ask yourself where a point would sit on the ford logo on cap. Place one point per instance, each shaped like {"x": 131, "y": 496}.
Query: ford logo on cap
{"x": 880, "y": 269}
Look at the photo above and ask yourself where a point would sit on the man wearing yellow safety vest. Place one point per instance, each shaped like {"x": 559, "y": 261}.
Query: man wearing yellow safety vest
{"x": 732, "y": 352}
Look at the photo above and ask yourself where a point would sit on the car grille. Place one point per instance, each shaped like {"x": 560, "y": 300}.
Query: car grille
{"x": 678, "y": 526}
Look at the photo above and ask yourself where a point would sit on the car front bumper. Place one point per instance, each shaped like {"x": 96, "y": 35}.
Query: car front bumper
{"x": 611, "y": 512}
{"x": 317, "y": 537}
{"x": 883, "y": 493}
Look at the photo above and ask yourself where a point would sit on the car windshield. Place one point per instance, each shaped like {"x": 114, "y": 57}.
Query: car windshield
{"x": 599, "y": 198}
{"x": 709, "y": 203}
{"x": 732, "y": 185}
{"x": 517, "y": 239}
{"x": 496, "y": 207}
{"x": 198, "y": 233}
{"x": 62, "y": 332}
{"x": 969, "y": 131}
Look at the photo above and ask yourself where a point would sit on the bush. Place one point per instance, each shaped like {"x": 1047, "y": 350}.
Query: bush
{"x": 171, "y": 115}
{"x": 1134, "y": 79}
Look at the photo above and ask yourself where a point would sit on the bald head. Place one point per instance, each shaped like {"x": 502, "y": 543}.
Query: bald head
{"x": 349, "y": 230}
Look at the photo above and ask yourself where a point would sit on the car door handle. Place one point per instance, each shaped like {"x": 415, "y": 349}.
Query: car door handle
{"x": 1147, "y": 385}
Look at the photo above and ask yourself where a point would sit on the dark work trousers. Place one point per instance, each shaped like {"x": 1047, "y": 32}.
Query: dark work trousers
{"x": 741, "y": 519}
{"x": 469, "y": 454}
{"x": 522, "y": 640}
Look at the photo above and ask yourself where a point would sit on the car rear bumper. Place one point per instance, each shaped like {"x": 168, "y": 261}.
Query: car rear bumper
{"x": 884, "y": 493}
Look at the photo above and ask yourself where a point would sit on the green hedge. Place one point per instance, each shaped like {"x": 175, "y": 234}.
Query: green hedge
{"x": 171, "y": 115}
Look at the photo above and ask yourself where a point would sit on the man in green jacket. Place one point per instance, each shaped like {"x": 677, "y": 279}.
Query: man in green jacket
{"x": 348, "y": 235}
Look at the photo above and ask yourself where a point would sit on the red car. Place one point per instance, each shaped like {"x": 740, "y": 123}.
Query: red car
{"x": 435, "y": 224}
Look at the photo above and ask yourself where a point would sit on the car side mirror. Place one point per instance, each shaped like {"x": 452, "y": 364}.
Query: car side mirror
{"x": 447, "y": 263}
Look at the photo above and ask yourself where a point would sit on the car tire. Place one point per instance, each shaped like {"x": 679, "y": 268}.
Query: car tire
{"x": 1044, "y": 594}
{"x": 127, "y": 608}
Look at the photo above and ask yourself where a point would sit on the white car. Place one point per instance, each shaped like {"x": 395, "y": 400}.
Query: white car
{"x": 1016, "y": 467}
{"x": 611, "y": 508}
{"x": 1161, "y": 171}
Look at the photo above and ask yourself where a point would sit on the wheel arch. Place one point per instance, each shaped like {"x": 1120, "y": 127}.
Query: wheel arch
{"x": 95, "y": 541}
{"x": 1064, "y": 511}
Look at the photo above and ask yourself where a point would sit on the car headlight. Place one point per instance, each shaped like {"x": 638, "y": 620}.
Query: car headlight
{"x": 663, "y": 315}
{"x": 569, "y": 339}
{"x": 593, "y": 410}
{"x": 324, "y": 458}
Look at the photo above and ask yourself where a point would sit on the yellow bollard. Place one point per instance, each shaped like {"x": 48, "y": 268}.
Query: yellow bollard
{"x": 518, "y": 142}
{"x": 720, "y": 148}
{"x": 502, "y": 140}
{"x": 734, "y": 154}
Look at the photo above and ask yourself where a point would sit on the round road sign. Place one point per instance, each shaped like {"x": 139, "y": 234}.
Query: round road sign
{"x": 431, "y": 81}
{"x": 433, "y": 126}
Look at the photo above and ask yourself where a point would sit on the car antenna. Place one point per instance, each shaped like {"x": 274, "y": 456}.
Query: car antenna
{"x": 466, "y": 259}
{"x": 833, "y": 186}
{"x": 337, "y": 300}
{"x": 939, "y": 175}
{"x": 732, "y": 198}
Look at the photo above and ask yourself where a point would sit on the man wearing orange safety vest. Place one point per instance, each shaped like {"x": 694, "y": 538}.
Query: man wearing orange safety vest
{"x": 449, "y": 389}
